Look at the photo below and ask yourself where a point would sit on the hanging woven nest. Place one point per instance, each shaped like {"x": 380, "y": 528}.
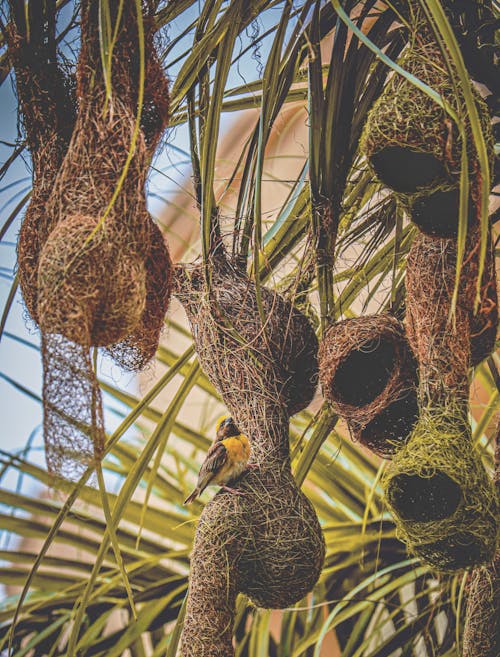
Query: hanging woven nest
{"x": 103, "y": 272}
{"x": 267, "y": 542}
{"x": 365, "y": 364}
{"x": 47, "y": 105}
{"x": 441, "y": 497}
{"x": 92, "y": 288}
{"x": 438, "y": 490}
{"x": 409, "y": 140}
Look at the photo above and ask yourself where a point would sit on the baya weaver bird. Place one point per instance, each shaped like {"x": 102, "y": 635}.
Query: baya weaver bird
{"x": 226, "y": 459}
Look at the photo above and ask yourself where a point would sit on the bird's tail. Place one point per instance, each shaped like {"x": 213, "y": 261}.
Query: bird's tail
{"x": 193, "y": 496}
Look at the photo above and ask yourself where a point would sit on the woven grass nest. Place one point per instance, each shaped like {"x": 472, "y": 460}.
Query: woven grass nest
{"x": 266, "y": 542}
{"x": 283, "y": 341}
{"x": 439, "y": 492}
{"x": 391, "y": 427}
{"x": 94, "y": 268}
{"x": 409, "y": 140}
{"x": 368, "y": 375}
{"x": 430, "y": 280}
{"x": 444, "y": 503}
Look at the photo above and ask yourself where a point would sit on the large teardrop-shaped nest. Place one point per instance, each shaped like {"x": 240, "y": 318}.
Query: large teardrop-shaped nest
{"x": 273, "y": 355}
{"x": 271, "y": 533}
{"x": 365, "y": 364}
{"x": 103, "y": 137}
{"x": 430, "y": 281}
{"x": 410, "y": 142}
{"x": 443, "y": 501}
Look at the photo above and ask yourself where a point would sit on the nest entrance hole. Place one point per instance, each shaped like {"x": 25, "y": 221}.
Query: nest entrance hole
{"x": 364, "y": 374}
{"x": 455, "y": 552}
{"x": 392, "y": 426}
{"x": 437, "y": 214}
{"x": 424, "y": 499}
{"x": 406, "y": 170}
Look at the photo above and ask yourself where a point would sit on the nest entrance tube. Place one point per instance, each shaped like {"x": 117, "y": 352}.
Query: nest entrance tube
{"x": 424, "y": 498}
{"x": 364, "y": 373}
{"x": 406, "y": 170}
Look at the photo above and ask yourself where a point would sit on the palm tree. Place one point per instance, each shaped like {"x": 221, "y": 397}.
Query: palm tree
{"x": 102, "y": 572}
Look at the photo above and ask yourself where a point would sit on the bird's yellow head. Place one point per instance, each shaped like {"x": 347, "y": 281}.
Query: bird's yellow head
{"x": 225, "y": 428}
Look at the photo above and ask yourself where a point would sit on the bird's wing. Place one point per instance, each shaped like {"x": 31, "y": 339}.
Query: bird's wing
{"x": 215, "y": 459}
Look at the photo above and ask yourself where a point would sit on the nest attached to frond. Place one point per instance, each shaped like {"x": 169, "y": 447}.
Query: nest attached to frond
{"x": 90, "y": 289}
{"x": 97, "y": 270}
{"x": 443, "y": 501}
{"x": 47, "y": 103}
{"x": 135, "y": 351}
{"x": 268, "y": 541}
{"x": 367, "y": 369}
{"x": 439, "y": 492}
{"x": 411, "y": 143}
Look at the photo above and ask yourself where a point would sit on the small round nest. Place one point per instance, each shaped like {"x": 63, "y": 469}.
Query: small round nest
{"x": 90, "y": 289}
{"x": 391, "y": 427}
{"x": 437, "y": 214}
{"x": 365, "y": 364}
{"x": 280, "y": 543}
{"x": 282, "y": 343}
{"x": 410, "y": 142}
{"x": 442, "y": 499}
